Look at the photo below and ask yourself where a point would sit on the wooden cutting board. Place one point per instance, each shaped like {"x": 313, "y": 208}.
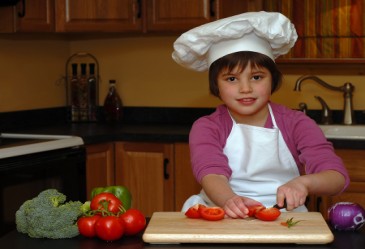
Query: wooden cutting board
{"x": 175, "y": 227}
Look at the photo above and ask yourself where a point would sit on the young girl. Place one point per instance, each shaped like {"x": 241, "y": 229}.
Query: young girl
{"x": 251, "y": 151}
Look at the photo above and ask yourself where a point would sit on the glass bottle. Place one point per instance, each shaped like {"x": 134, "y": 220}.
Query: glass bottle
{"x": 74, "y": 85}
{"x": 113, "y": 104}
{"x": 83, "y": 93}
{"x": 92, "y": 93}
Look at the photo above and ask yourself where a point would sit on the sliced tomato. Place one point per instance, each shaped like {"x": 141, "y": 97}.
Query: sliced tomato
{"x": 212, "y": 213}
{"x": 252, "y": 210}
{"x": 194, "y": 211}
{"x": 268, "y": 214}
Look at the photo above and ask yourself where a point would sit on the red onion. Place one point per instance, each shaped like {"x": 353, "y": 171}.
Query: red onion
{"x": 346, "y": 216}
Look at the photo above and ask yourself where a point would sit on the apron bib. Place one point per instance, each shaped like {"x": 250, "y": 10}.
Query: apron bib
{"x": 260, "y": 161}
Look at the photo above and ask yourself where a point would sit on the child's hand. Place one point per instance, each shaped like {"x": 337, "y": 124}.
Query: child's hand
{"x": 236, "y": 206}
{"x": 293, "y": 192}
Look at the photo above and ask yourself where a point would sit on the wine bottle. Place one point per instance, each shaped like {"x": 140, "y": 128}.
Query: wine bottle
{"x": 113, "y": 104}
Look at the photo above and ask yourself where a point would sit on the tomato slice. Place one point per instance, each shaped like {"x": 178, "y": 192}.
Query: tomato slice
{"x": 212, "y": 213}
{"x": 194, "y": 211}
{"x": 268, "y": 214}
{"x": 252, "y": 210}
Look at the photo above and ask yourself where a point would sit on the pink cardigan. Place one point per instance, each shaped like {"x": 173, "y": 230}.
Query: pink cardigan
{"x": 305, "y": 140}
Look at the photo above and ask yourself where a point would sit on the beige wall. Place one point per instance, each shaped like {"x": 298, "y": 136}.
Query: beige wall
{"x": 32, "y": 69}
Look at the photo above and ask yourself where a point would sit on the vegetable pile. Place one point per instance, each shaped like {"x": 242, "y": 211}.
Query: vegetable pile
{"x": 346, "y": 216}
{"x": 107, "y": 218}
{"x": 48, "y": 216}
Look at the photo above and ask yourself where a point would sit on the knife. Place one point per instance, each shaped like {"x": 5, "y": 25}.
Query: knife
{"x": 277, "y": 206}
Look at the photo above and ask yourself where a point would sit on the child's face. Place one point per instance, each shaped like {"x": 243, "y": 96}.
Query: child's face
{"x": 246, "y": 93}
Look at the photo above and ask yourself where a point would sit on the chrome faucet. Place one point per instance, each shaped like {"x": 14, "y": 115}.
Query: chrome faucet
{"x": 326, "y": 111}
{"x": 347, "y": 89}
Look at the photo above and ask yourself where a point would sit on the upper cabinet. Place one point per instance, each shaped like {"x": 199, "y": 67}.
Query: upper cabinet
{"x": 117, "y": 16}
{"x": 28, "y": 16}
{"x": 178, "y": 15}
{"x": 98, "y": 15}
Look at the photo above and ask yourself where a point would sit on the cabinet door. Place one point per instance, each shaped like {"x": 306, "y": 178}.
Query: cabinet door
{"x": 98, "y": 15}
{"x": 178, "y": 15}
{"x": 354, "y": 161}
{"x": 30, "y": 16}
{"x": 185, "y": 183}
{"x": 228, "y": 8}
{"x": 147, "y": 170}
{"x": 99, "y": 166}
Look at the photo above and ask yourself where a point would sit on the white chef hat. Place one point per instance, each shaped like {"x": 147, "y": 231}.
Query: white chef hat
{"x": 268, "y": 33}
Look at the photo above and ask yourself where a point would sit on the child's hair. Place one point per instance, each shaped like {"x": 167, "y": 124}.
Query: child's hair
{"x": 242, "y": 59}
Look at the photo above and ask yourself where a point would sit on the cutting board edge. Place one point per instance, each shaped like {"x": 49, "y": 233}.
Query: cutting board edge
{"x": 167, "y": 239}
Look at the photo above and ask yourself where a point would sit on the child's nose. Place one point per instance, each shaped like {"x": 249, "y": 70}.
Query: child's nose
{"x": 245, "y": 87}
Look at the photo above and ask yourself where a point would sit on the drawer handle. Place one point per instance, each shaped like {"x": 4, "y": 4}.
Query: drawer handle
{"x": 166, "y": 174}
{"x": 22, "y": 12}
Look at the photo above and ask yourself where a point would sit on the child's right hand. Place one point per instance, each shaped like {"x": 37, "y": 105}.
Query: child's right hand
{"x": 237, "y": 206}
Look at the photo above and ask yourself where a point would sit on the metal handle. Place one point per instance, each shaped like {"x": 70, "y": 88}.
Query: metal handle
{"x": 212, "y": 10}
{"x": 166, "y": 174}
{"x": 22, "y": 12}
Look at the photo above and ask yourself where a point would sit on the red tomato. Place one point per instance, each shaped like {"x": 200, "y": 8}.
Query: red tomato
{"x": 252, "y": 210}
{"x": 106, "y": 201}
{"x": 134, "y": 221}
{"x": 86, "y": 225}
{"x": 212, "y": 213}
{"x": 194, "y": 211}
{"x": 268, "y": 214}
{"x": 109, "y": 228}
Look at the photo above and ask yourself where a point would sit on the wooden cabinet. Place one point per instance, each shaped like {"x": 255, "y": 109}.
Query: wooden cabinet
{"x": 185, "y": 183}
{"x": 98, "y": 16}
{"x": 33, "y": 16}
{"x": 355, "y": 164}
{"x": 118, "y": 16}
{"x": 178, "y": 15}
{"x": 99, "y": 166}
{"x": 147, "y": 170}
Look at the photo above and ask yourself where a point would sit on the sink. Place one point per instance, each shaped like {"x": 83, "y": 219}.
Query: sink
{"x": 350, "y": 132}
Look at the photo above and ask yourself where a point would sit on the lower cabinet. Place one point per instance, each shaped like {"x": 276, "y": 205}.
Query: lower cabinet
{"x": 99, "y": 166}
{"x": 158, "y": 175}
{"x": 354, "y": 161}
{"x": 185, "y": 183}
{"x": 147, "y": 170}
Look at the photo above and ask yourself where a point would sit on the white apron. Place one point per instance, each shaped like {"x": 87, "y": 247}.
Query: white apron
{"x": 260, "y": 161}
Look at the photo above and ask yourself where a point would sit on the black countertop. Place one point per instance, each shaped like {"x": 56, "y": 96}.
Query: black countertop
{"x": 15, "y": 240}
{"x": 167, "y": 125}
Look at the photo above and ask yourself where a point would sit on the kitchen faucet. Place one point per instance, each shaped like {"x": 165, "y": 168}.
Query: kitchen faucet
{"x": 347, "y": 90}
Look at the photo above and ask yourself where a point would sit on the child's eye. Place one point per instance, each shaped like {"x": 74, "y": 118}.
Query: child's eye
{"x": 231, "y": 78}
{"x": 256, "y": 77}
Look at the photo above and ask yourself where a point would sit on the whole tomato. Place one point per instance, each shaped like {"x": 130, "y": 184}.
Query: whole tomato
{"x": 134, "y": 221}
{"x": 109, "y": 228}
{"x": 106, "y": 201}
{"x": 86, "y": 225}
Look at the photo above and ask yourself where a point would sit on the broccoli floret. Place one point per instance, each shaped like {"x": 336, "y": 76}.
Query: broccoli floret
{"x": 49, "y": 216}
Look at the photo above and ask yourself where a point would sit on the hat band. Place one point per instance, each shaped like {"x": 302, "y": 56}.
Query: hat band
{"x": 249, "y": 42}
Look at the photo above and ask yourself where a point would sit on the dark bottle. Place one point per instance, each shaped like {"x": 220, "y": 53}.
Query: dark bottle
{"x": 74, "y": 92}
{"x": 83, "y": 93}
{"x": 92, "y": 93}
{"x": 113, "y": 104}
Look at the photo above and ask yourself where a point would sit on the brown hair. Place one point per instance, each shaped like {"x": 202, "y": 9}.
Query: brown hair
{"x": 242, "y": 59}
